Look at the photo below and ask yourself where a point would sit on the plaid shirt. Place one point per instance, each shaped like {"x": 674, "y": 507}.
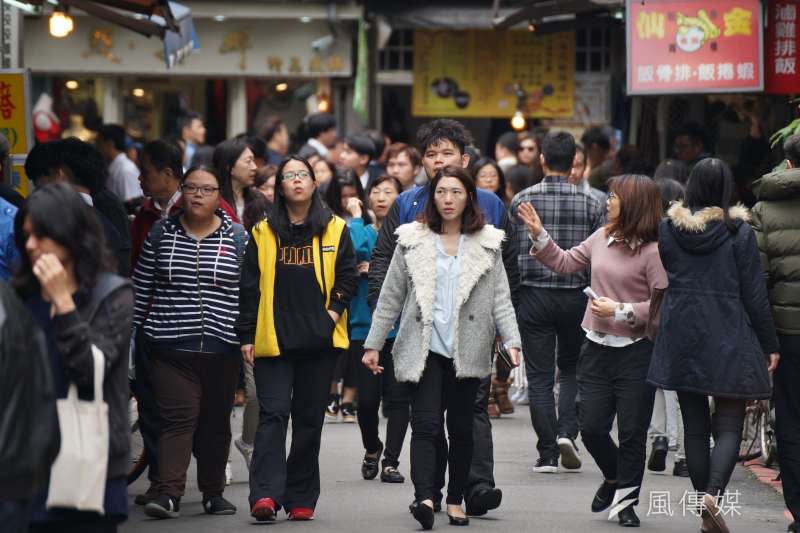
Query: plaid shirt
{"x": 569, "y": 214}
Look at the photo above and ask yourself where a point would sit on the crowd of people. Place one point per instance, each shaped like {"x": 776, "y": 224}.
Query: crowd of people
{"x": 357, "y": 273}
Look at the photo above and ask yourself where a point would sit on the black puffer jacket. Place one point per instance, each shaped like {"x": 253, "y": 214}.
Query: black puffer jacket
{"x": 716, "y": 326}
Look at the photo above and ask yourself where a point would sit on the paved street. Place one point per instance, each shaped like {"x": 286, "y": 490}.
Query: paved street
{"x": 532, "y": 502}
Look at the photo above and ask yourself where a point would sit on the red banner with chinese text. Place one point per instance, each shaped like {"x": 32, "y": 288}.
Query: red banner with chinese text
{"x": 781, "y": 72}
{"x": 703, "y": 46}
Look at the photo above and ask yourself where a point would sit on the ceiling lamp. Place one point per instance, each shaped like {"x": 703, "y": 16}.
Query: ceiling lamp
{"x": 61, "y": 23}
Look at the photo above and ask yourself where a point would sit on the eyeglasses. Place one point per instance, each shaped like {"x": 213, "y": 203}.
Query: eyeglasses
{"x": 300, "y": 174}
{"x": 204, "y": 190}
{"x": 612, "y": 195}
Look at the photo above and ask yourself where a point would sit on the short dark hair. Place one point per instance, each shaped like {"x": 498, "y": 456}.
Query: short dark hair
{"x": 362, "y": 145}
{"x": 378, "y": 139}
{"x": 40, "y": 160}
{"x": 319, "y": 123}
{"x": 509, "y": 140}
{"x": 185, "y": 120}
{"x": 270, "y": 128}
{"x": 395, "y": 149}
{"x": 443, "y": 129}
{"x": 520, "y": 177}
{"x": 558, "y": 150}
{"x": 596, "y": 135}
{"x": 76, "y": 227}
{"x": 319, "y": 215}
{"x": 791, "y": 149}
{"x": 696, "y": 132}
{"x": 383, "y": 178}
{"x": 114, "y": 133}
{"x": 85, "y": 162}
{"x": 671, "y": 191}
{"x": 472, "y": 219}
{"x": 163, "y": 155}
{"x": 672, "y": 169}
{"x": 711, "y": 184}
{"x": 201, "y": 168}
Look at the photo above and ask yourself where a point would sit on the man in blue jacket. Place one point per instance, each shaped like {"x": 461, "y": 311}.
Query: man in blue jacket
{"x": 443, "y": 142}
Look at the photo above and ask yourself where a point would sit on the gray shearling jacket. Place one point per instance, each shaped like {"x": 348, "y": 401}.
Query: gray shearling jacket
{"x": 483, "y": 300}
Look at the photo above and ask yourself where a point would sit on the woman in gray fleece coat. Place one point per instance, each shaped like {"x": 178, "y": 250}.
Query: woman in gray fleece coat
{"x": 447, "y": 283}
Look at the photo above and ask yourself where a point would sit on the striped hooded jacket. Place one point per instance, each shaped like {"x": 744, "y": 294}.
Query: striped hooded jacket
{"x": 187, "y": 291}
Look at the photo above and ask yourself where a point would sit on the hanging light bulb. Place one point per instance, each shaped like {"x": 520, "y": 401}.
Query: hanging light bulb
{"x": 61, "y": 24}
{"x": 531, "y": 26}
{"x": 518, "y": 121}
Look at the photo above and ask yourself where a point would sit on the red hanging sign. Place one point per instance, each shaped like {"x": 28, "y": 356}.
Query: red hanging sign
{"x": 782, "y": 72}
{"x": 707, "y": 46}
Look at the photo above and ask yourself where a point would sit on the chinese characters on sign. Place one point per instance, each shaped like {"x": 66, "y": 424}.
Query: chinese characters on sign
{"x": 782, "y": 75}
{"x": 700, "y": 46}
{"x": 476, "y": 73}
{"x": 14, "y": 114}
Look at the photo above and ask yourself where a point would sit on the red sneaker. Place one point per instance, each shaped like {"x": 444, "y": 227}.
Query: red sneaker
{"x": 301, "y": 514}
{"x": 263, "y": 510}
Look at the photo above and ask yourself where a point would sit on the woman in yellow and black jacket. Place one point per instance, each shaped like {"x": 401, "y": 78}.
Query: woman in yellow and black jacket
{"x": 298, "y": 278}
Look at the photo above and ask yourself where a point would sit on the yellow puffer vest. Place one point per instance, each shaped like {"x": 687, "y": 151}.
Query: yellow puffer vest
{"x": 266, "y": 344}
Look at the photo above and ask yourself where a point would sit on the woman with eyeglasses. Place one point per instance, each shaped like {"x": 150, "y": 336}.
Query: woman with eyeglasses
{"x": 297, "y": 281}
{"x": 187, "y": 293}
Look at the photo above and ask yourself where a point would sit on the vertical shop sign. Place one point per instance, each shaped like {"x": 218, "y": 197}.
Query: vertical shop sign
{"x": 15, "y": 110}
{"x": 782, "y": 75}
{"x": 706, "y": 46}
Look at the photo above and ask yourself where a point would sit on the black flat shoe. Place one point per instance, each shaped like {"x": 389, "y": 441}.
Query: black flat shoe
{"x": 422, "y": 514}
{"x": 627, "y": 517}
{"x": 369, "y": 466}
{"x": 483, "y": 500}
{"x": 437, "y": 506}
{"x": 390, "y": 474}
{"x": 658, "y": 455}
{"x": 458, "y": 520}
{"x": 603, "y": 497}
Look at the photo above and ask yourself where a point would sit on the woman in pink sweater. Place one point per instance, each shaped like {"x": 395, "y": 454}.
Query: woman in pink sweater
{"x": 626, "y": 267}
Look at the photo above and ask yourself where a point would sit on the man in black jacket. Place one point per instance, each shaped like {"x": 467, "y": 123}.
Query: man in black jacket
{"x": 443, "y": 142}
{"x": 81, "y": 166}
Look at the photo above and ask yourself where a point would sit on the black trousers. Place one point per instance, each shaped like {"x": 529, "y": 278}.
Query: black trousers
{"x": 612, "y": 383}
{"x": 371, "y": 389}
{"x": 711, "y": 471}
{"x": 547, "y": 315}
{"x": 347, "y": 364}
{"x": 150, "y": 420}
{"x": 437, "y": 392}
{"x": 787, "y": 420}
{"x": 298, "y": 388}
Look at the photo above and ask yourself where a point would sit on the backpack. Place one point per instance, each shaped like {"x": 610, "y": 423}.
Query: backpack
{"x": 239, "y": 237}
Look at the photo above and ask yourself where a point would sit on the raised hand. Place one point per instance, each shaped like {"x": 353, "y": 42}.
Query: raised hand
{"x": 527, "y": 213}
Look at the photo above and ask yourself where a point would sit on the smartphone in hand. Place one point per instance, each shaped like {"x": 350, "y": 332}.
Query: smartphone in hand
{"x": 590, "y": 293}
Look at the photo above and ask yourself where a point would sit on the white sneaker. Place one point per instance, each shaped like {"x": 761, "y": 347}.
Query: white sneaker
{"x": 570, "y": 458}
{"x": 228, "y": 473}
{"x": 245, "y": 449}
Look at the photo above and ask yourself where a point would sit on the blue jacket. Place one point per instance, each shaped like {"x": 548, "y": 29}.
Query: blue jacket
{"x": 413, "y": 201}
{"x": 364, "y": 238}
{"x": 8, "y": 249}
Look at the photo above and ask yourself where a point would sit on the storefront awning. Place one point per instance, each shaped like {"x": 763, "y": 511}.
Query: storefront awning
{"x": 169, "y": 21}
{"x": 541, "y": 10}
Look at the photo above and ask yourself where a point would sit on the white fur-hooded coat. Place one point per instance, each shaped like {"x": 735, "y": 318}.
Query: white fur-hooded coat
{"x": 483, "y": 303}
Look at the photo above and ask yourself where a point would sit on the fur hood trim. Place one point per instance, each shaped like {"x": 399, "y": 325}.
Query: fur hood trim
{"x": 413, "y": 234}
{"x": 683, "y": 218}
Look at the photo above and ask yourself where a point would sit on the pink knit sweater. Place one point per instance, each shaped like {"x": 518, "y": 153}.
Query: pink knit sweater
{"x": 618, "y": 272}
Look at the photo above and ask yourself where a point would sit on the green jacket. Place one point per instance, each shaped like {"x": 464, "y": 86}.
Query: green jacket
{"x": 776, "y": 220}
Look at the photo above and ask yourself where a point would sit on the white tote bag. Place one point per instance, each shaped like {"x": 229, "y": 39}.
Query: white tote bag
{"x": 78, "y": 475}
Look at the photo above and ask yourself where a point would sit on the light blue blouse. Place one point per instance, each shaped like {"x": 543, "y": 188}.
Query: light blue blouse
{"x": 444, "y": 304}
